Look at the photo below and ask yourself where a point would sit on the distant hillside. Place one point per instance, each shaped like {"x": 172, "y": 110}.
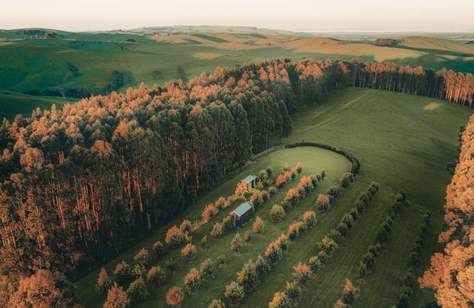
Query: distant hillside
{"x": 205, "y": 30}
{"x": 435, "y": 43}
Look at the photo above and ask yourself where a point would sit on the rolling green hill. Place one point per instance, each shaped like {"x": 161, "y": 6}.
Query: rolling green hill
{"x": 12, "y": 103}
{"x": 51, "y": 62}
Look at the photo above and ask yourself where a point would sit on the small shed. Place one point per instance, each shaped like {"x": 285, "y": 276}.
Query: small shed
{"x": 242, "y": 213}
{"x": 250, "y": 181}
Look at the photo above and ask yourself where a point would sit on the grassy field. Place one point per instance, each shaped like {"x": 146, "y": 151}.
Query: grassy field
{"x": 403, "y": 142}
{"x": 87, "y": 60}
{"x": 12, "y": 103}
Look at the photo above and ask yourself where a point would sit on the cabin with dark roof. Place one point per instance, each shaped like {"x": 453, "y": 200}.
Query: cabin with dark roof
{"x": 242, "y": 213}
{"x": 250, "y": 181}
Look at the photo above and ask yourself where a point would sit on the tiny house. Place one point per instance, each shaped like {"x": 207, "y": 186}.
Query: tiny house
{"x": 242, "y": 213}
{"x": 250, "y": 181}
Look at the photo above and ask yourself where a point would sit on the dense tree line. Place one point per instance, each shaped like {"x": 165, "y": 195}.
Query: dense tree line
{"x": 452, "y": 271}
{"x": 79, "y": 184}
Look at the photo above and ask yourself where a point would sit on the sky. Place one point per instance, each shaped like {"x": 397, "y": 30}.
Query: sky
{"x": 296, "y": 15}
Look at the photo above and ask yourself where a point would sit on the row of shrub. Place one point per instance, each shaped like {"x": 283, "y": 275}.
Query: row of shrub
{"x": 306, "y": 185}
{"x": 257, "y": 197}
{"x": 323, "y": 202}
{"x": 383, "y": 234}
{"x": 409, "y": 281}
{"x": 292, "y": 293}
{"x": 348, "y": 295}
{"x": 287, "y": 175}
{"x": 254, "y": 271}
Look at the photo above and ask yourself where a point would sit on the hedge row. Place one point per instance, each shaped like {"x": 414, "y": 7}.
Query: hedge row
{"x": 254, "y": 271}
{"x": 292, "y": 294}
{"x": 383, "y": 234}
{"x": 409, "y": 281}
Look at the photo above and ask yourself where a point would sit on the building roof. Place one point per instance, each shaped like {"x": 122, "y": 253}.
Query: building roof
{"x": 249, "y": 179}
{"x": 242, "y": 209}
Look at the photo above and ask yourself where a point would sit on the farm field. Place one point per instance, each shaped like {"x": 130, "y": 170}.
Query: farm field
{"x": 12, "y": 103}
{"x": 78, "y": 63}
{"x": 402, "y": 141}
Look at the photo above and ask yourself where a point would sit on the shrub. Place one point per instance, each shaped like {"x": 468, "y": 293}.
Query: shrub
{"x": 216, "y": 303}
{"x": 328, "y": 244}
{"x": 323, "y": 202}
{"x": 122, "y": 272}
{"x": 236, "y": 243}
{"x": 299, "y": 168}
{"x": 348, "y": 220}
{"x": 277, "y": 212}
{"x": 294, "y": 230}
{"x": 342, "y": 229}
{"x": 157, "y": 248}
{"x": 261, "y": 266}
{"x": 234, "y": 293}
{"x": 247, "y": 236}
{"x": 362, "y": 269}
{"x": 279, "y": 300}
{"x": 192, "y": 280}
{"x": 155, "y": 275}
{"x": 207, "y": 268}
{"x": 216, "y": 230}
{"x": 204, "y": 240}
{"x": 137, "y": 291}
{"x": 103, "y": 281}
{"x": 174, "y": 236}
{"x": 189, "y": 251}
{"x": 116, "y": 298}
{"x": 221, "y": 203}
{"x": 348, "y": 293}
{"x": 314, "y": 264}
{"x": 269, "y": 171}
{"x": 374, "y": 187}
{"x": 346, "y": 179}
{"x": 334, "y": 191}
{"x": 292, "y": 196}
{"x": 293, "y": 292}
{"x": 272, "y": 190}
{"x": 171, "y": 264}
{"x": 258, "y": 225}
{"x": 401, "y": 196}
{"x": 142, "y": 257}
{"x": 186, "y": 226}
{"x": 273, "y": 252}
{"x": 302, "y": 272}
{"x": 309, "y": 218}
{"x": 247, "y": 277}
{"x": 228, "y": 223}
{"x": 137, "y": 270}
{"x": 306, "y": 183}
{"x": 174, "y": 296}
{"x": 210, "y": 211}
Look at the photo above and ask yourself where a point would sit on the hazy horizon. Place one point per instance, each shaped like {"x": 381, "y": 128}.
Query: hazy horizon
{"x": 305, "y": 16}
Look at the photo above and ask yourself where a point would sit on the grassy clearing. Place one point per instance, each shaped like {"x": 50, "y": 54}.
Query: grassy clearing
{"x": 12, "y": 103}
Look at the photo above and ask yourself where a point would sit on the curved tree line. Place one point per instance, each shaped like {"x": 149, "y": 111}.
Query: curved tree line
{"x": 452, "y": 271}
{"x": 79, "y": 184}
